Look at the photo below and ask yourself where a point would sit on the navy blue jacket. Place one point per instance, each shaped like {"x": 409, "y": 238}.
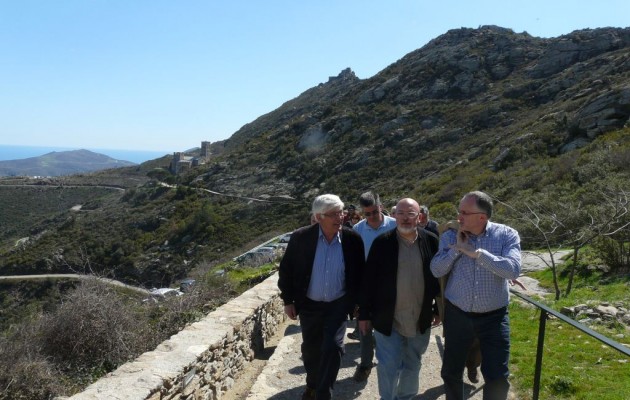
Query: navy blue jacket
{"x": 296, "y": 265}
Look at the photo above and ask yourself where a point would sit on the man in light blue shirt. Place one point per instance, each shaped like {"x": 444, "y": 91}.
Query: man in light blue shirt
{"x": 374, "y": 224}
{"x": 481, "y": 257}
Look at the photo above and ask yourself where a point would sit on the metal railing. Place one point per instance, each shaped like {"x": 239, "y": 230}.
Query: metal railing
{"x": 544, "y": 314}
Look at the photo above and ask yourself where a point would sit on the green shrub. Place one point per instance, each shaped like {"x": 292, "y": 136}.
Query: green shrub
{"x": 614, "y": 253}
{"x": 562, "y": 386}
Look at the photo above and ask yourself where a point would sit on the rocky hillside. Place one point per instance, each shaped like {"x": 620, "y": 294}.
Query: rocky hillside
{"x": 59, "y": 163}
{"x": 486, "y": 99}
{"x": 521, "y": 117}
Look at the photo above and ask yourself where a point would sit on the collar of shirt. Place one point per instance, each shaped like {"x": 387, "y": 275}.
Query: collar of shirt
{"x": 337, "y": 236}
{"x": 486, "y": 230}
{"x": 405, "y": 240}
{"x": 368, "y": 226}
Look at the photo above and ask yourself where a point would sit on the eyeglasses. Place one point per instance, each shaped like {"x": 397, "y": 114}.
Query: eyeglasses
{"x": 370, "y": 213}
{"x": 334, "y": 214}
{"x": 465, "y": 213}
{"x": 408, "y": 214}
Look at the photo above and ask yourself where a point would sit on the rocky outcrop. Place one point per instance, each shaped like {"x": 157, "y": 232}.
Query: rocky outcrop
{"x": 576, "y": 47}
{"x": 598, "y": 314}
{"x": 606, "y": 112}
{"x": 486, "y": 86}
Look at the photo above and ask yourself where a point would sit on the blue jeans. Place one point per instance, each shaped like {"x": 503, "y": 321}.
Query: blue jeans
{"x": 399, "y": 361}
{"x": 493, "y": 331}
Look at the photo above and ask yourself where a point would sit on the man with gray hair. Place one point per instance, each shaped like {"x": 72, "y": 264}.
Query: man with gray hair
{"x": 480, "y": 258}
{"x": 319, "y": 278}
{"x": 426, "y": 222}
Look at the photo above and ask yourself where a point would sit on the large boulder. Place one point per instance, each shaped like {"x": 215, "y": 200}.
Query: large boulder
{"x": 606, "y": 112}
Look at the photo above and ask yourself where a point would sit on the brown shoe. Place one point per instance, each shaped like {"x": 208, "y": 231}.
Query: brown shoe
{"x": 472, "y": 375}
{"x": 309, "y": 394}
{"x": 362, "y": 373}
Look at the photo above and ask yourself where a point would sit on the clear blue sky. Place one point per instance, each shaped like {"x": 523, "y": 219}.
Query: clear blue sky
{"x": 165, "y": 74}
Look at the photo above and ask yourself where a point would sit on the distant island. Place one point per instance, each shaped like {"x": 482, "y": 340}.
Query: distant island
{"x": 58, "y": 163}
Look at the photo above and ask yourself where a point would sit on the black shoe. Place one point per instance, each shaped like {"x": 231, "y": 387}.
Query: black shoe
{"x": 362, "y": 373}
{"x": 309, "y": 394}
{"x": 472, "y": 375}
{"x": 353, "y": 335}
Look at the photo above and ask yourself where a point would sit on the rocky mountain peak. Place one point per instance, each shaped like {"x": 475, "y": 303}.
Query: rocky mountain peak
{"x": 468, "y": 96}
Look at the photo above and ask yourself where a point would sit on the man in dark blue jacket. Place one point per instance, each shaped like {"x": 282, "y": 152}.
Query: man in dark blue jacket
{"x": 398, "y": 299}
{"x": 319, "y": 280}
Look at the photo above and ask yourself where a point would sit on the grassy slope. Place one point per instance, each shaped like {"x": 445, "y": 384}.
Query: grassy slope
{"x": 575, "y": 365}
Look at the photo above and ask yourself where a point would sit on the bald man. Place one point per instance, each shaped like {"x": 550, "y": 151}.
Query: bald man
{"x": 397, "y": 298}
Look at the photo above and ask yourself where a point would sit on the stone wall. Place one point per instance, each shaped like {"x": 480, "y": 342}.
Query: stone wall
{"x": 202, "y": 361}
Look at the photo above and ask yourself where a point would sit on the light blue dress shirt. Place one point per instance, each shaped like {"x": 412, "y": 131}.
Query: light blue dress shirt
{"x": 480, "y": 285}
{"x": 368, "y": 234}
{"x": 328, "y": 279}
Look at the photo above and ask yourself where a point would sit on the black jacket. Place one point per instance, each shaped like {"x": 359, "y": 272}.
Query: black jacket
{"x": 297, "y": 265}
{"x": 377, "y": 300}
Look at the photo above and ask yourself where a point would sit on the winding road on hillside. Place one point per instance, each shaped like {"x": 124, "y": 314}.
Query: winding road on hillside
{"x": 44, "y": 277}
{"x": 56, "y": 185}
{"x": 288, "y": 199}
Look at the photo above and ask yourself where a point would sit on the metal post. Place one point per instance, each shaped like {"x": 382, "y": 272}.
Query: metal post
{"x": 539, "y": 352}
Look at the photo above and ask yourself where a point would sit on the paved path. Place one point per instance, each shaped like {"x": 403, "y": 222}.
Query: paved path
{"x": 283, "y": 378}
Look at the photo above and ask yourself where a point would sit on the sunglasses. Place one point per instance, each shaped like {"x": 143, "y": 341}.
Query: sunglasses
{"x": 370, "y": 213}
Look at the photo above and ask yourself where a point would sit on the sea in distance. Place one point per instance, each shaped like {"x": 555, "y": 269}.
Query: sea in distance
{"x": 13, "y": 152}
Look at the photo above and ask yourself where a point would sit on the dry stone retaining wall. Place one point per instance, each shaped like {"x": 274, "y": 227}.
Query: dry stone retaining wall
{"x": 202, "y": 361}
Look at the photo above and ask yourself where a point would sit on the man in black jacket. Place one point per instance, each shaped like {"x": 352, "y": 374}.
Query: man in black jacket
{"x": 319, "y": 280}
{"x": 397, "y": 299}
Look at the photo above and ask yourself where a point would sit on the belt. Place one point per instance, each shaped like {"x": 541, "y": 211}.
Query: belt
{"x": 478, "y": 314}
{"x": 308, "y": 300}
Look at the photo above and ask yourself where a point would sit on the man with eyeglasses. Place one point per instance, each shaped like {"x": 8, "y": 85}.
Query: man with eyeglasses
{"x": 481, "y": 257}
{"x": 397, "y": 299}
{"x": 374, "y": 224}
{"x": 319, "y": 279}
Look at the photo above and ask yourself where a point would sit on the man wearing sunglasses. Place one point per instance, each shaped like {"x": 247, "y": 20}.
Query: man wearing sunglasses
{"x": 319, "y": 278}
{"x": 481, "y": 257}
{"x": 374, "y": 224}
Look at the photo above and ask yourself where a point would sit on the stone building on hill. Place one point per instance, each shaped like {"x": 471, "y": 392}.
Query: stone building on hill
{"x": 183, "y": 162}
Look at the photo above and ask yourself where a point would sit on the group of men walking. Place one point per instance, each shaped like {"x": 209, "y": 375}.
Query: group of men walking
{"x": 384, "y": 271}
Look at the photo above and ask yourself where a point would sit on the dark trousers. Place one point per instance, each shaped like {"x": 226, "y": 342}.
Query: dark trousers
{"x": 323, "y": 327}
{"x": 493, "y": 331}
{"x": 473, "y": 361}
{"x": 367, "y": 346}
